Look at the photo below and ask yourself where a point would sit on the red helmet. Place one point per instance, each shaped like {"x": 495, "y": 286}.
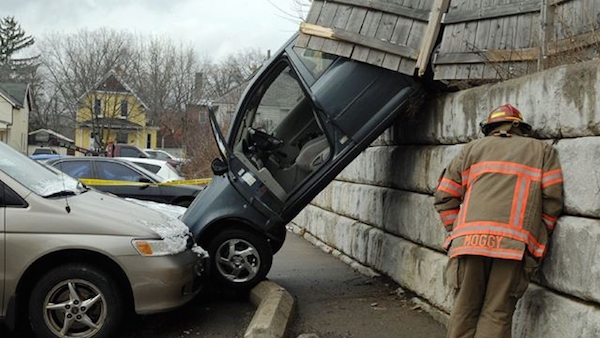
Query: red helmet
{"x": 503, "y": 114}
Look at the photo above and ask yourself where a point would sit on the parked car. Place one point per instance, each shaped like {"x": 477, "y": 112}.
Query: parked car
{"x": 103, "y": 173}
{"x": 75, "y": 261}
{"x": 159, "y": 167}
{"x": 43, "y": 157}
{"x": 303, "y": 118}
{"x": 125, "y": 150}
{"x": 159, "y": 154}
{"x": 44, "y": 151}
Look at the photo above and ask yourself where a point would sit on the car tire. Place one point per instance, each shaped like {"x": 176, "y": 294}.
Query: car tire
{"x": 85, "y": 293}
{"x": 240, "y": 259}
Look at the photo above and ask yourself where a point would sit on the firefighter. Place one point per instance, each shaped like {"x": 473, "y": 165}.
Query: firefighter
{"x": 499, "y": 200}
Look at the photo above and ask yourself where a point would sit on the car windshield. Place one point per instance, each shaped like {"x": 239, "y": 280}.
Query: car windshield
{"x": 35, "y": 176}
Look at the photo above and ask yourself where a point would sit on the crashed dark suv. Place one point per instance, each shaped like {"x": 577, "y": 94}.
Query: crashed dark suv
{"x": 303, "y": 118}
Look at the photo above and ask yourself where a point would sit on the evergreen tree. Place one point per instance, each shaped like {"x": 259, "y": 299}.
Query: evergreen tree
{"x": 13, "y": 39}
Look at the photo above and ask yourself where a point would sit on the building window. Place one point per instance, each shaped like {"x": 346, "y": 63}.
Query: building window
{"x": 149, "y": 141}
{"x": 98, "y": 108}
{"x": 123, "y": 109}
{"x": 121, "y": 137}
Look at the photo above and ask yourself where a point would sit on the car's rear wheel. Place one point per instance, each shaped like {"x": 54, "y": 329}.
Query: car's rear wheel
{"x": 75, "y": 300}
{"x": 240, "y": 259}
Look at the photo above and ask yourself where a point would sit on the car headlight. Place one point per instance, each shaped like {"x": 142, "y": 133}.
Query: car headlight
{"x": 155, "y": 247}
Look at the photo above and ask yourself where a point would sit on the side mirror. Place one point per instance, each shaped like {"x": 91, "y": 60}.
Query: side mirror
{"x": 218, "y": 167}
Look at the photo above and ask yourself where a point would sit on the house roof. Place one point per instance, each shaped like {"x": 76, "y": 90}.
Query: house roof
{"x": 113, "y": 123}
{"x": 15, "y": 93}
{"x": 53, "y": 133}
{"x": 112, "y": 82}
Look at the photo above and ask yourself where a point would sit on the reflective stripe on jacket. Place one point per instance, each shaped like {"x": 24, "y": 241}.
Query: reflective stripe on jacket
{"x": 499, "y": 196}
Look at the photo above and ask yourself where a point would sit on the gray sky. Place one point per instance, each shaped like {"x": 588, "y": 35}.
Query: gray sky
{"x": 214, "y": 27}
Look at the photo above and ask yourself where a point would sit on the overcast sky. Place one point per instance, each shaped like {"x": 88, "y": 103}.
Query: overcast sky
{"x": 214, "y": 27}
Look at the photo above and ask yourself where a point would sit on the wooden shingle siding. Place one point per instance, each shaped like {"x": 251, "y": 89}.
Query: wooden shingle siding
{"x": 488, "y": 40}
{"x": 481, "y": 40}
{"x": 383, "y": 33}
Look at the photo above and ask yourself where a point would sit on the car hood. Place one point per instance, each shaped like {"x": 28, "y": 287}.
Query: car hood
{"x": 97, "y": 213}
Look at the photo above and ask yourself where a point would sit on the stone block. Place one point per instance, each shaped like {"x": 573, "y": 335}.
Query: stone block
{"x": 411, "y": 168}
{"x": 572, "y": 265}
{"x": 558, "y": 103}
{"x": 545, "y": 314}
{"x": 581, "y": 171}
{"x": 403, "y": 213}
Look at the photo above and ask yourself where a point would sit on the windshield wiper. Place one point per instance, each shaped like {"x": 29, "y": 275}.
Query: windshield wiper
{"x": 61, "y": 194}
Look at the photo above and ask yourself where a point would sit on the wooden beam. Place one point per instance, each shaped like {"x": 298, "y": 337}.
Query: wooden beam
{"x": 546, "y": 29}
{"x": 357, "y": 39}
{"x": 525, "y": 54}
{"x": 574, "y": 42}
{"x": 431, "y": 34}
{"x": 488, "y": 56}
{"x": 492, "y": 12}
{"x": 388, "y": 7}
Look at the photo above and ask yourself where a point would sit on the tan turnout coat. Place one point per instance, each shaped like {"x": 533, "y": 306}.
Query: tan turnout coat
{"x": 500, "y": 196}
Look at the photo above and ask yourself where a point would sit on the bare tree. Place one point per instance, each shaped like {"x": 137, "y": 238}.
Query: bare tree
{"x": 231, "y": 72}
{"x": 74, "y": 64}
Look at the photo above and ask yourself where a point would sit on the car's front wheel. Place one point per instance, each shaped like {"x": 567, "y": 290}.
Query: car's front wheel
{"x": 75, "y": 300}
{"x": 240, "y": 259}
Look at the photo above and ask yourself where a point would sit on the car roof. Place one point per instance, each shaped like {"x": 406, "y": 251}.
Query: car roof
{"x": 145, "y": 160}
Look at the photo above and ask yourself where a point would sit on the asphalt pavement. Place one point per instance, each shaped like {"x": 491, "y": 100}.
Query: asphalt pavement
{"x": 335, "y": 301}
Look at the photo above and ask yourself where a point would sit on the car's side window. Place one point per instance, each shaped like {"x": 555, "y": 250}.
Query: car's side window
{"x": 129, "y": 152}
{"x": 162, "y": 156}
{"x": 116, "y": 171}
{"x": 150, "y": 167}
{"x": 9, "y": 198}
{"x": 76, "y": 169}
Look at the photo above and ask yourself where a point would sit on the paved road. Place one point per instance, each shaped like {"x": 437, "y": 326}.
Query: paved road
{"x": 335, "y": 301}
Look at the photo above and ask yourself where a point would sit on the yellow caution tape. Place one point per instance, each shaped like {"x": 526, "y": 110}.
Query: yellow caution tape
{"x": 198, "y": 181}
{"x": 98, "y": 182}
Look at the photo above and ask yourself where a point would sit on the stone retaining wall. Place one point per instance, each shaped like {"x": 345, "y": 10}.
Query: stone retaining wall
{"x": 380, "y": 212}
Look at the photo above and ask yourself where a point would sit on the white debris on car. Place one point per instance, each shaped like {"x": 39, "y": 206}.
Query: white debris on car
{"x": 173, "y": 231}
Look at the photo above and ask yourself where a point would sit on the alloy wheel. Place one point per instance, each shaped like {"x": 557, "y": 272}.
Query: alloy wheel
{"x": 238, "y": 260}
{"x": 75, "y": 308}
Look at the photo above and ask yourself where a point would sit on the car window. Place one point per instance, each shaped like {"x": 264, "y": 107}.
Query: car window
{"x": 9, "y": 198}
{"x": 41, "y": 151}
{"x": 129, "y": 152}
{"x": 76, "y": 169}
{"x": 116, "y": 171}
{"x": 162, "y": 156}
{"x": 150, "y": 167}
{"x": 278, "y": 101}
{"x": 316, "y": 62}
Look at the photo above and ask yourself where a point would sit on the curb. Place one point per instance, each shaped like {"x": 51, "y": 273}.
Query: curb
{"x": 274, "y": 311}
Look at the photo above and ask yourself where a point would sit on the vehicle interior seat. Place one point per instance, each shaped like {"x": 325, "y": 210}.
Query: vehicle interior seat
{"x": 264, "y": 176}
{"x": 313, "y": 154}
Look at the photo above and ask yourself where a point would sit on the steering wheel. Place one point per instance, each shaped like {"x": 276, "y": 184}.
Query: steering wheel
{"x": 263, "y": 141}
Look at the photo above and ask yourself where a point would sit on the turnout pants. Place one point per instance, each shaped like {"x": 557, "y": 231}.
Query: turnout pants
{"x": 488, "y": 291}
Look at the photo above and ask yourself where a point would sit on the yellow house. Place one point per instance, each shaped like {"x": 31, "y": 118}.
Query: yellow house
{"x": 113, "y": 112}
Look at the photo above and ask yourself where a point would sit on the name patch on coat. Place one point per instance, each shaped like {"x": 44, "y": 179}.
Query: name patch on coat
{"x": 486, "y": 241}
